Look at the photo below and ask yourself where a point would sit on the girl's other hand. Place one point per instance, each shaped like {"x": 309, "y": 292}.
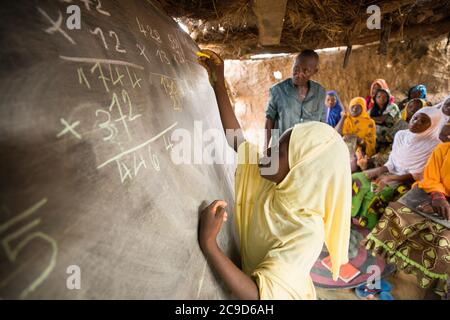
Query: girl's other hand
{"x": 211, "y": 220}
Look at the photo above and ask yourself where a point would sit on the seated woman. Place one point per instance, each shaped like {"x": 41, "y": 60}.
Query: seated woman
{"x": 436, "y": 177}
{"x": 407, "y": 113}
{"x": 376, "y": 85}
{"x": 358, "y": 123}
{"x": 412, "y": 107}
{"x": 334, "y": 108}
{"x": 410, "y": 152}
{"x": 414, "y": 242}
{"x": 417, "y": 92}
{"x": 284, "y": 210}
{"x": 385, "y": 114}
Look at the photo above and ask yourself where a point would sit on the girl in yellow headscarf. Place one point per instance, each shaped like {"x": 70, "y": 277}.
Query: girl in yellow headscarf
{"x": 357, "y": 122}
{"x": 412, "y": 106}
{"x": 288, "y": 204}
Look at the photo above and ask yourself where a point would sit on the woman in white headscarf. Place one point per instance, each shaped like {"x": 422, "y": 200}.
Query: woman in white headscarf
{"x": 410, "y": 152}
{"x": 288, "y": 204}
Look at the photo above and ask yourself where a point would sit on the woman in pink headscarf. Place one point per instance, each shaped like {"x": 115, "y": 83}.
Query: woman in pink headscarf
{"x": 376, "y": 85}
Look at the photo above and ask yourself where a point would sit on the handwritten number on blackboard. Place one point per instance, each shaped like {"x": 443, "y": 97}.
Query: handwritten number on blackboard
{"x": 154, "y": 34}
{"x": 126, "y": 99}
{"x": 107, "y": 125}
{"x": 153, "y": 159}
{"x": 115, "y": 102}
{"x": 168, "y": 144}
{"x": 162, "y": 55}
{"x": 118, "y": 49}
{"x": 175, "y": 45}
{"x": 98, "y": 31}
{"x": 141, "y": 28}
{"x": 88, "y": 3}
{"x": 25, "y": 236}
{"x": 99, "y": 9}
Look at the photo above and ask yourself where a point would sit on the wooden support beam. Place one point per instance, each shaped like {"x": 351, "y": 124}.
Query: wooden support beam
{"x": 386, "y": 26}
{"x": 270, "y": 18}
{"x": 348, "y": 52}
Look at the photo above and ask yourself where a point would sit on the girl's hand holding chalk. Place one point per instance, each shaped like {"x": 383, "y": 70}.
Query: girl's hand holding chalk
{"x": 201, "y": 54}
{"x": 213, "y": 64}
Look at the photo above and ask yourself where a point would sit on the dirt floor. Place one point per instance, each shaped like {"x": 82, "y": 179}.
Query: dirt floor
{"x": 404, "y": 288}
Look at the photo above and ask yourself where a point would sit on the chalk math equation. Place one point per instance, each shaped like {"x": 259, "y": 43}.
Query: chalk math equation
{"x": 122, "y": 80}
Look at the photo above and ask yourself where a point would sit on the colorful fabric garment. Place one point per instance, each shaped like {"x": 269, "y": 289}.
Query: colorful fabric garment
{"x": 362, "y": 126}
{"x": 367, "y": 205}
{"x": 282, "y": 227}
{"x": 414, "y": 244}
{"x": 436, "y": 176}
{"x": 393, "y": 114}
{"x": 389, "y": 108}
{"x": 370, "y": 100}
{"x": 334, "y": 113}
{"x": 418, "y": 88}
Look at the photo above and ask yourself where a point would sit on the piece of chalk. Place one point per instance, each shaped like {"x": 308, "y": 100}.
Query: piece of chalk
{"x": 201, "y": 54}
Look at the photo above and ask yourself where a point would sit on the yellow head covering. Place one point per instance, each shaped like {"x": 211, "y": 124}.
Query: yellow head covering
{"x": 318, "y": 182}
{"x": 282, "y": 227}
{"x": 404, "y": 113}
{"x": 362, "y": 126}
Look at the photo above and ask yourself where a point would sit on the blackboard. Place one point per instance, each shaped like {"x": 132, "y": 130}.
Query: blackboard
{"x": 88, "y": 186}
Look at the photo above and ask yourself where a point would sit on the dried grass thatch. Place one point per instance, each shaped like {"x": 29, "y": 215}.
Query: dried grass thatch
{"x": 231, "y": 26}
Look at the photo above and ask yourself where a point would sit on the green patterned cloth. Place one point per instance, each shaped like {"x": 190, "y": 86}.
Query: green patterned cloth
{"x": 413, "y": 244}
{"x": 367, "y": 205}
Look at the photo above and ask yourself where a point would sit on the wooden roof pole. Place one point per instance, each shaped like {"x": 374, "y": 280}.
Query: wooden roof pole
{"x": 270, "y": 17}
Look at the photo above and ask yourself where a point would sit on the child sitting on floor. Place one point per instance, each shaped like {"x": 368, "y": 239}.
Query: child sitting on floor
{"x": 357, "y": 123}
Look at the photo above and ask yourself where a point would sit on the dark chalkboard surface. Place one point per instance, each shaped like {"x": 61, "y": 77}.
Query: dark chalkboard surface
{"x": 87, "y": 182}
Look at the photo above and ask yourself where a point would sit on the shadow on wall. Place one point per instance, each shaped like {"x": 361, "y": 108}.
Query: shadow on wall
{"x": 406, "y": 64}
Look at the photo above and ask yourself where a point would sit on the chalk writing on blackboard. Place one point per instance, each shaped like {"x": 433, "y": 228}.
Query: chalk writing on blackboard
{"x": 69, "y": 128}
{"x": 136, "y": 81}
{"x": 171, "y": 88}
{"x": 175, "y": 45}
{"x": 26, "y": 235}
{"x": 118, "y": 47}
{"x": 102, "y": 61}
{"x": 88, "y": 3}
{"x": 154, "y": 34}
{"x": 118, "y": 74}
{"x": 107, "y": 125}
{"x": 142, "y": 51}
{"x": 82, "y": 78}
{"x": 98, "y": 31}
{"x": 162, "y": 56}
{"x": 56, "y": 25}
{"x": 142, "y": 145}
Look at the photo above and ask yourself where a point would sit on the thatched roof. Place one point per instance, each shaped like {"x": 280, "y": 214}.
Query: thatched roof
{"x": 233, "y": 26}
